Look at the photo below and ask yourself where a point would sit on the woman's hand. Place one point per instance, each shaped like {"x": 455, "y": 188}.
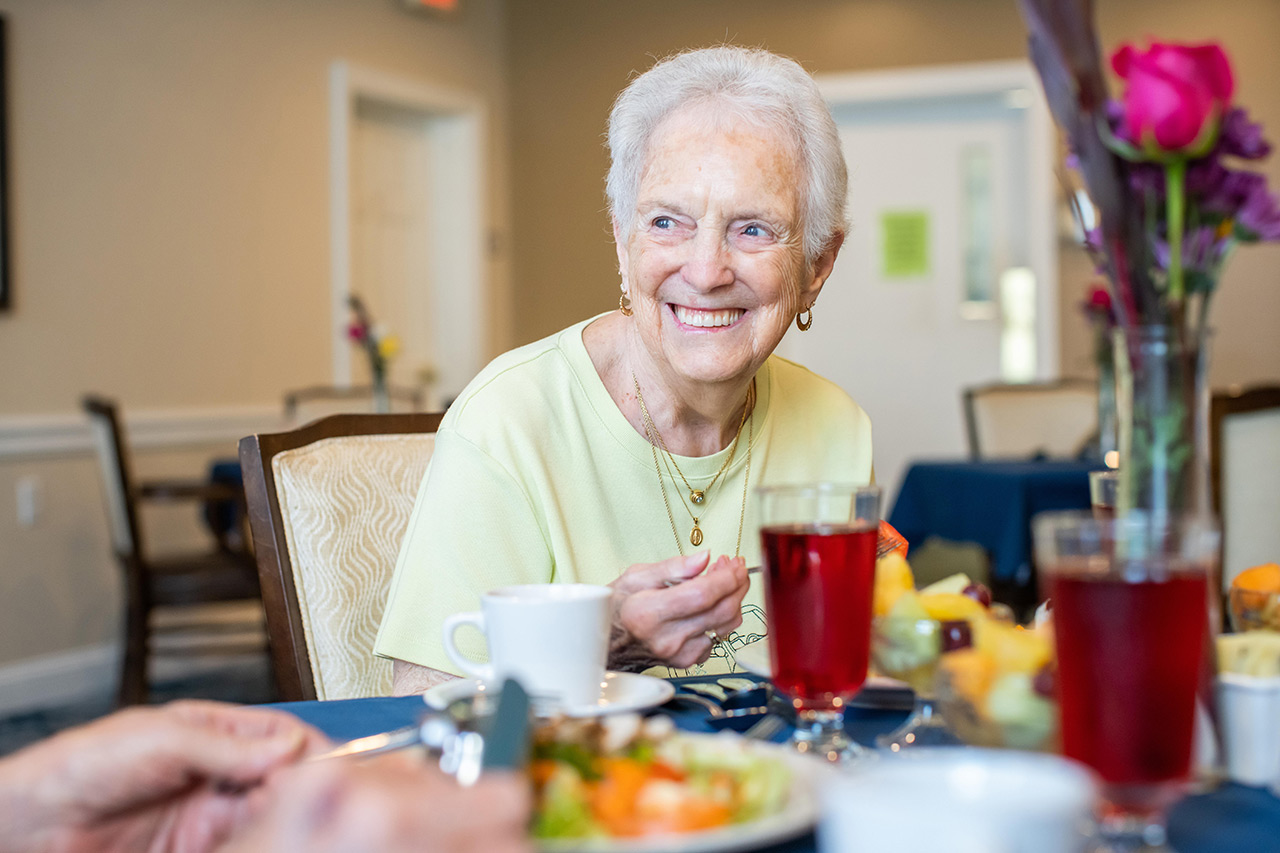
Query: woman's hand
{"x": 389, "y": 804}
{"x": 655, "y": 622}
{"x": 172, "y": 778}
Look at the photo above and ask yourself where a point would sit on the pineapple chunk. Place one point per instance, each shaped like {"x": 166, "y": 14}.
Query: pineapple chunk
{"x": 893, "y": 578}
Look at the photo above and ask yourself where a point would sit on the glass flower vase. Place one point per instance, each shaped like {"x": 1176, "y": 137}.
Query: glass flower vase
{"x": 1162, "y": 412}
{"x": 381, "y": 396}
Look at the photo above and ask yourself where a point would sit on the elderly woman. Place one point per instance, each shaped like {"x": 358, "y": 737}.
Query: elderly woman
{"x": 625, "y": 449}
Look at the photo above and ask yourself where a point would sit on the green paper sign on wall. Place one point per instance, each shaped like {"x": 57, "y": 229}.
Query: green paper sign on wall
{"x": 904, "y": 244}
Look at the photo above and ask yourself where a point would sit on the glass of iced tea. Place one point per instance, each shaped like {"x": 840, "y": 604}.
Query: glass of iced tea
{"x": 819, "y": 547}
{"x": 1129, "y": 599}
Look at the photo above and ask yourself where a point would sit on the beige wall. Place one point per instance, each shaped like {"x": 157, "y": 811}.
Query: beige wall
{"x": 573, "y": 56}
{"x": 170, "y": 187}
{"x": 170, "y": 201}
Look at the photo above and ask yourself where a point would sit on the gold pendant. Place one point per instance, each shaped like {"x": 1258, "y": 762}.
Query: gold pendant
{"x": 695, "y": 535}
{"x": 697, "y": 496}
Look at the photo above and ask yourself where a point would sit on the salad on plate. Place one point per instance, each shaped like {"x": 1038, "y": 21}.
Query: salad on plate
{"x": 625, "y": 777}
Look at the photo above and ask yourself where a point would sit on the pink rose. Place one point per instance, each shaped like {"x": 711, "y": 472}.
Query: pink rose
{"x": 1175, "y": 95}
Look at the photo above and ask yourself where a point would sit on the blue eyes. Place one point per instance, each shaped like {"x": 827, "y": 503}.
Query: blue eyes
{"x": 666, "y": 223}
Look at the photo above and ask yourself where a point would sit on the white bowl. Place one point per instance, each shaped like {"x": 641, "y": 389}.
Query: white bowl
{"x": 961, "y": 801}
{"x": 1249, "y": 711}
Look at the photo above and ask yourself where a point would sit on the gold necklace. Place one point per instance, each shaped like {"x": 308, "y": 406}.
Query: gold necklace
{"x": 651, "y": 432}
{"x": 696, "y": 496}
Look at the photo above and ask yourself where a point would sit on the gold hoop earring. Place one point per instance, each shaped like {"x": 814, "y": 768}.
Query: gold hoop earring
{"x": 803, "y": 325}
{"x": 624, "y": 305}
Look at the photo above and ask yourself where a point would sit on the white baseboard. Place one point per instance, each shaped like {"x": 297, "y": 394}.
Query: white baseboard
{"x": 59, "y": 678}
{"x": 86, "y": 673}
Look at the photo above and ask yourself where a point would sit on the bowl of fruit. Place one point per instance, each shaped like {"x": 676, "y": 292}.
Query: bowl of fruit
{"x": 1254, "y": 599}
{"x": 912, "y": 631}
{"x": 999, "y": 691}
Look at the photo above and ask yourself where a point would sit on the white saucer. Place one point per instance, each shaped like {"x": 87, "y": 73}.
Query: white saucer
{"x": 620, "y": 692}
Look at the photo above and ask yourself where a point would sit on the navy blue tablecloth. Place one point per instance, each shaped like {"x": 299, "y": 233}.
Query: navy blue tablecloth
{"x": 989, "y": 503}
{"x": 1232, "y": 819}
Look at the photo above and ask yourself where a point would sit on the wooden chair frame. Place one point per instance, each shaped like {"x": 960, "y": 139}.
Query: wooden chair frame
{"x": 971, "y": 394}
{"x": 225, "y": 575}
{"x": 294, "y": 678}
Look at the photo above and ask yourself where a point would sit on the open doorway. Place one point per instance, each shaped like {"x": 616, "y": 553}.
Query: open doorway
{"x": 948, "y": 276}
{"x": 407, "y": 188}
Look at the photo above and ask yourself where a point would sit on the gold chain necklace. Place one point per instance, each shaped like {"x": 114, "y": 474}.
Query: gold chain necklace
{"x": 696, "y": 496}
{"x": 651, "y": 433}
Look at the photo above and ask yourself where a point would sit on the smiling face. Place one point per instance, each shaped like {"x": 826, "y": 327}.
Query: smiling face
{"x": 714, "y": 264}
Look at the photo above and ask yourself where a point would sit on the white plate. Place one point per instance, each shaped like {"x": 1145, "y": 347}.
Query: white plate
{"x": 877, "y": 692}
{"x": 797, "y": 817}
{"x": 620, "y": 691}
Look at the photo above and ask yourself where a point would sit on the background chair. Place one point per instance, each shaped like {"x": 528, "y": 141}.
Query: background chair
{"x": 155, "y": 587}
{"x": 308, "y": 404}
{"x": 328, "y": 505}
{"x": 1023, "y": 420}
{"x": 1244, "y": 461}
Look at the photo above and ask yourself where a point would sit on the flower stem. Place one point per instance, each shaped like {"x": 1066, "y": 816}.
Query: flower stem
{"x": 1175, "y": 176}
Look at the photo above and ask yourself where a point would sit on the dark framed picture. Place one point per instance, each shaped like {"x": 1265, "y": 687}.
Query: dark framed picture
{"x": 6, "y": 277}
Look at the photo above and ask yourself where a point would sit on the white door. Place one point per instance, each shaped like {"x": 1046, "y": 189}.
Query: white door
{"x": 407, "y": 217}
{"x": 942, "y": 282}
{"x": 391, "y": 226}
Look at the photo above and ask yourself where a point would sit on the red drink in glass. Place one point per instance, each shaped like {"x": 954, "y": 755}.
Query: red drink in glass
{"x": 818, "y": 592}
{"x": 1129, "y": 656}
{"x": 1129, "y": 600}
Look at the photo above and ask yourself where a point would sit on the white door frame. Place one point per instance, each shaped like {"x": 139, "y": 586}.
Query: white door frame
{"x": 1017, "y": 80}
{"x": 462, "y": 289}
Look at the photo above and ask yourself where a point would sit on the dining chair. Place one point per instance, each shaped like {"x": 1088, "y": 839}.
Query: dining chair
{"x": 168, "y": 598}
{"x": 1244, "y": 462}
{"x": 328, "y": 506}
{"x": 308, "y": 404}
{"x": 1010, "y": 420}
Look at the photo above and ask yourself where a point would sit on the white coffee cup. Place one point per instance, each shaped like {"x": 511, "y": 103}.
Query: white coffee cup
{"x": 553, "y": 638}
{"x": 962, "y": 800}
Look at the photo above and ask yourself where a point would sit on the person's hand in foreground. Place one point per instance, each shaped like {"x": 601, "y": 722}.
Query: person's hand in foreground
{"x": 173, "y": 778}
{"x": 658, "y": 623}
{"x": 394, "y": 803}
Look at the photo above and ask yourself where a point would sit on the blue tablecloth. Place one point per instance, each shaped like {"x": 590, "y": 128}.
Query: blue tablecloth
{"x": 989, "y": 503}
{"x": 1233, "y": 819}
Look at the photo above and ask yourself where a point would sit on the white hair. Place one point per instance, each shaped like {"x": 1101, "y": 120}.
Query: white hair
{"x": 752, "y": 85}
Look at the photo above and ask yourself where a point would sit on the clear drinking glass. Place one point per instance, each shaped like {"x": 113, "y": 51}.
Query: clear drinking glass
{"x": 1129, "y": 601}
{"x": 1103, "y": 486}
{"x": 819, "y": 547}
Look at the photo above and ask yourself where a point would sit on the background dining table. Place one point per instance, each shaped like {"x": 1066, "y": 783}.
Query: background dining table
{"x": 989, "y": 503}
{"x": 1230, "y": 819}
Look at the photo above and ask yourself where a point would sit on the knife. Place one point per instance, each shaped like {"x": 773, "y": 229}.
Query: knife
{"x": 506, "y": 739}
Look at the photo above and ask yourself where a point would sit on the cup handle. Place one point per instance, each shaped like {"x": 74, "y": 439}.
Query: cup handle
{"x": 482, "y": 671}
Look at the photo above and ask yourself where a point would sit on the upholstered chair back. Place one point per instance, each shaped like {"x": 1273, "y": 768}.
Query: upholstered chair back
{"x": 1249, "y": 484}
{"x": 1011, "y": 421}
{"x": 345, "y": 504}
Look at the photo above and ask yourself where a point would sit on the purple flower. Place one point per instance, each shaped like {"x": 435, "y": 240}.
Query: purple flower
{"x": 1242, "y": 137}
{"x": 1147, "y": 180}
{"x": 1202, "y": 249}
{"x": 1259, "y": 215}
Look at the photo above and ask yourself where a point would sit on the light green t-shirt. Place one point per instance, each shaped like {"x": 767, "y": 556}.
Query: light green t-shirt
{"x": 538, "y": 477}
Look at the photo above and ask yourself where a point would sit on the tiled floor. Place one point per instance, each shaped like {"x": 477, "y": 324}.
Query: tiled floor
{"x": 248, "y": 682}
